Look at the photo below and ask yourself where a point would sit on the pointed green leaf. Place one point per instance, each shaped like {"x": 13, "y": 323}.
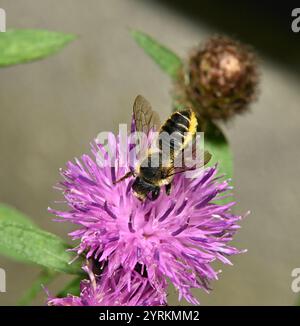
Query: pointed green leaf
{"x": 20, "y": 46}
{"x": 9, "y": 213}
{"x": 30, "y": 244}
{"x": 165, "y": 58}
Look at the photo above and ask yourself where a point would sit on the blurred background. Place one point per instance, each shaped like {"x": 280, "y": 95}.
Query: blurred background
{"x": 50, "y": 110}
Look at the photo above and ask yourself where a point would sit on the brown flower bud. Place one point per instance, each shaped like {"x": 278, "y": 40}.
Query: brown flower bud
{"x": 221, "y": 79}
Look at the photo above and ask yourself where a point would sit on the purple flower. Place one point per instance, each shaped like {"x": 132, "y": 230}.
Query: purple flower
{"x": 113, "y": 291}
{"x": 175, "y": 237}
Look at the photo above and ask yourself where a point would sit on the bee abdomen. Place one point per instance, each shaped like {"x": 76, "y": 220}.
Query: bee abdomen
{"x": 181, "y": 126}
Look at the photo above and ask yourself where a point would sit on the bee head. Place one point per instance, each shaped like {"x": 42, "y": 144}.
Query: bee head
{"x": 141, "y": 188}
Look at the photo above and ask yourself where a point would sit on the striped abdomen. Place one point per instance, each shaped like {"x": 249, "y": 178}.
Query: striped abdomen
{"x": 178, "y": 131}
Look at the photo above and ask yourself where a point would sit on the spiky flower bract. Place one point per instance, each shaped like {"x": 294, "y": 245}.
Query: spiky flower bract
{"x": 220, "y": 79}
{"x": 175, "y": 237}
{"x": 113, "y": 290}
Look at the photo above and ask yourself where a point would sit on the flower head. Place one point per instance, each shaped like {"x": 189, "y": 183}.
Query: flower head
{"x": 115, "y": 290}
{"x": 175, "y": 237}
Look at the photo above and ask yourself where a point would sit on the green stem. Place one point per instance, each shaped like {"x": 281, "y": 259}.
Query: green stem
{"x": 44, "y": 278}
{"x": 72, "y": 288}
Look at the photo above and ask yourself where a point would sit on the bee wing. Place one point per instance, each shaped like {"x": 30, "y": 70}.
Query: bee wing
{"x": 204, "y": 157}
{"x": 191, "y": 159}
{"x": 145, "y": 118}
{"x": 186, "y": 166}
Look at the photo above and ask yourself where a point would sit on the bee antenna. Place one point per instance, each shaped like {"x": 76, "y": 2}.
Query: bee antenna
{"x": 127, "y": 175}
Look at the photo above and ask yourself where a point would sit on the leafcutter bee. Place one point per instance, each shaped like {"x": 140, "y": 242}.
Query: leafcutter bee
{"x": 157, "y": 168}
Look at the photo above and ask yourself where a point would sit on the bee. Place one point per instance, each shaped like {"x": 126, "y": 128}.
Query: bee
{"x": 157, "y": 168}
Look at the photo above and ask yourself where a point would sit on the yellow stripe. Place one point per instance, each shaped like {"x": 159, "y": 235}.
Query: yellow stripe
{"x": 193, "y": 123}
{"x": 192, "y": 129}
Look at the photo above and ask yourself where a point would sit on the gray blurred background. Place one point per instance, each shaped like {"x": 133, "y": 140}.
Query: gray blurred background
{"x": 50, "y": 111}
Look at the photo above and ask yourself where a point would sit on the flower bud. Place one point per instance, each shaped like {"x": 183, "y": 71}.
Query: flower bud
{"x": 220, "y": 79}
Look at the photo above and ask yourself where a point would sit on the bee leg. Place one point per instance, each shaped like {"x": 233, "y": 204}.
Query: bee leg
{"x": 168, "y": 188}
{"x": 155, "y": 193}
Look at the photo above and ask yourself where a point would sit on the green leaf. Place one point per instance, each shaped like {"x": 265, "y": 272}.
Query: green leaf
{"x": 72, "y": 288}
{"x": 44, "y": 278}
{"x": 216, "y": 143}
{"x": 9, "y": 213}
{"x": 30, "y": 244}
{"x": 20, "y": 46}
{"x": 165, "y": 58}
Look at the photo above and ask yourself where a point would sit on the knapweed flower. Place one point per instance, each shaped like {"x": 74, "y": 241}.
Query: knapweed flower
{"x": 220, "y": 80}
{"x": 175, "y": 237}
{"x": 113, "y": 291}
